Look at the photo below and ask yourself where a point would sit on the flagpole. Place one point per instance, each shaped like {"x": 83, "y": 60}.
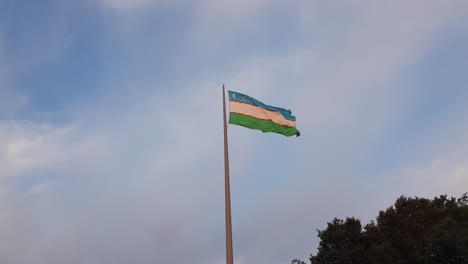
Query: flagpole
{"x": 227, "y": 190}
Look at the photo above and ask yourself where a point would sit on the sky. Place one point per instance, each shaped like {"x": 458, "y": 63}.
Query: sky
{"x": 111, "y": 136}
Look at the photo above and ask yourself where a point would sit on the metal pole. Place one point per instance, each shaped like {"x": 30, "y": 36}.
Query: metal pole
{"x": 227, "y": 189}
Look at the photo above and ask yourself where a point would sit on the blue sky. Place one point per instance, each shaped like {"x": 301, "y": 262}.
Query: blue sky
{"x": 111, "y": 123}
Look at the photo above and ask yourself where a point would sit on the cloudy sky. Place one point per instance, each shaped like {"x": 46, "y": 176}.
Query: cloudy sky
{"x": 111, "y": 123}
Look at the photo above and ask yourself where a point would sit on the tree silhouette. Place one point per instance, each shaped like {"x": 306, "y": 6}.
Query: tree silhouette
{"x": 412, "y": 231}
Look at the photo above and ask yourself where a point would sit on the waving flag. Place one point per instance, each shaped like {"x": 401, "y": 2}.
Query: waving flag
{"x": 251, "y": 113}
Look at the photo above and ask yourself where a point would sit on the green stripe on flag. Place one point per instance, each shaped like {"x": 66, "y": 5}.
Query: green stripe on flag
{"x": 263, "y": 125}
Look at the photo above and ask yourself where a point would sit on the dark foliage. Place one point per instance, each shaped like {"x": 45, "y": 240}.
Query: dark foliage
{"x": 412, "y": 231}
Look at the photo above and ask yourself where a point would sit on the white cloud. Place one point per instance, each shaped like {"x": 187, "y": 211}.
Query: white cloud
{"x": 143, "y": 183}
{"x": 442, "y": 176}
{"x": 132, "y": 5}
{"x": 18, "y": 229}
{"x": 441, "y": 166}
{"x": 157, "y": 149}
{"x": 27, "y": 146}
{"x": 348, "y": 93}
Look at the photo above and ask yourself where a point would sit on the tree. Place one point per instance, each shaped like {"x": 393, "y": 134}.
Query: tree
{"x": 297, "y": 261}
{"x": 412, "y": 231}
{"x": 341, "y": 243}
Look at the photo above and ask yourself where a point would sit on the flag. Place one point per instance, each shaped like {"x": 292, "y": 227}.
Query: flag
{"x": 251, "y": 113}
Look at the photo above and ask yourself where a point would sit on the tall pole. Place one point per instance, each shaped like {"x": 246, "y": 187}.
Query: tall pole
{"x": 227, "y": 189}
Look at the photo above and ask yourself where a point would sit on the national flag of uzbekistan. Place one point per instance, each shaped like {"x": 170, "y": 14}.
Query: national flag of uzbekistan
{"x": 251, "y": 113}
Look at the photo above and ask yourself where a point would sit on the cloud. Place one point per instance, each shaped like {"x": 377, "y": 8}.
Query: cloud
{"x": 17, "y": 224}
{"x": 159, "y": 194}
{"x": 133, "y": 5}
{"x": 441, "y": 176}
{"x": 139, "y": 178}
{"x": 126, "y": 4}
{"x": 26, "y": 146}
{"x": 348, "y": 101}
{"x": 441, "y": 166}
